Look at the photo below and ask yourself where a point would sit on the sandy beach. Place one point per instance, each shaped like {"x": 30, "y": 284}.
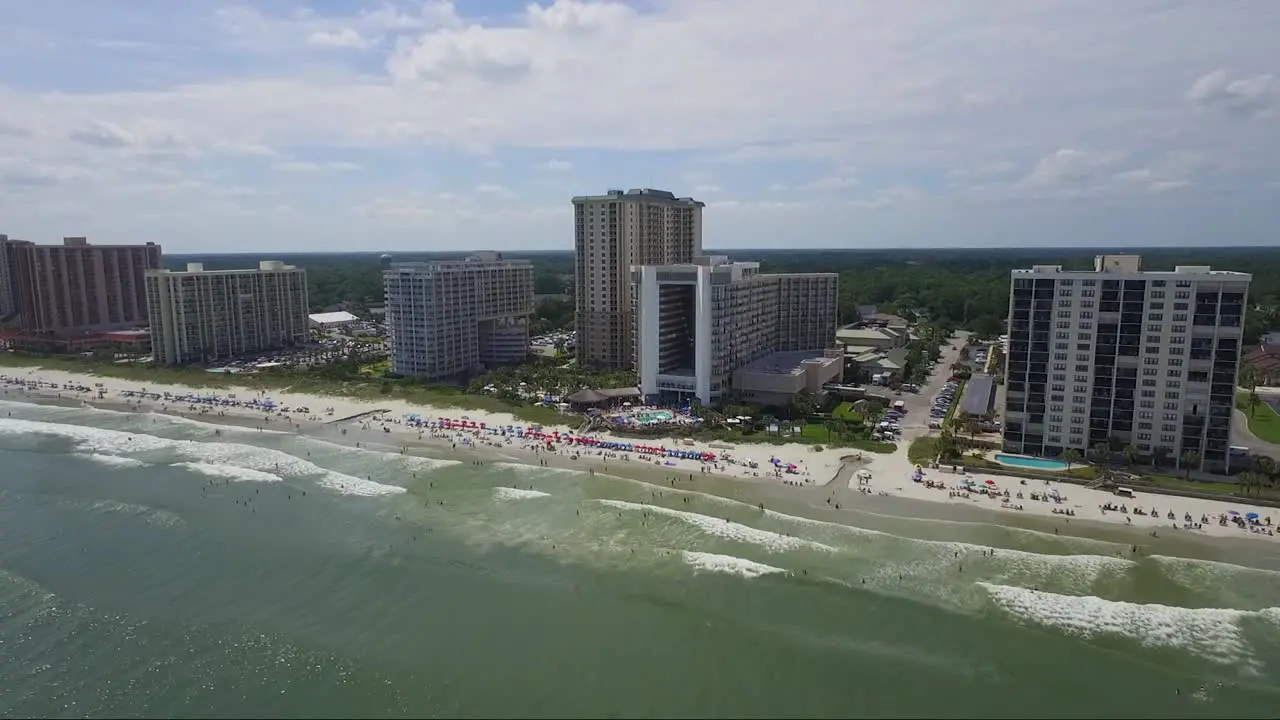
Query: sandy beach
{"x": 818, "y": 475}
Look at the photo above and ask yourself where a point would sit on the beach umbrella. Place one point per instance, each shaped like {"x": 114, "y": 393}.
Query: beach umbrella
{"x": 1252, "y": 516}
{"x": 991, "y": 482}
{"x": 1233, "y": 512}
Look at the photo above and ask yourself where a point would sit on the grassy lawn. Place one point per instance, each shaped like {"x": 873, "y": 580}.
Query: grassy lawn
{"x": 922, "y": 450}
{"x": 845, "y": 411}
{"x": 1227, "y": 490}
{"x": 1264, "y": 423}
{"x": 817, "y": 433}
{"x": 955, "y": 402}
{"x": 377, "y": 369}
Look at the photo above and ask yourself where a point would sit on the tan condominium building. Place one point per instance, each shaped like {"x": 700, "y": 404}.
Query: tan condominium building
{"x": 73, "y": 289}
{"x": 202, "y": 316}
{"x": 449, "y": 319}
{"x": 612, "y": 233}
{"x": 711, "y": 326}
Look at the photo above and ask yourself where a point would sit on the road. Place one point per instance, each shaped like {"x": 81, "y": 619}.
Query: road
{"x": 918, "y": 404}
{"x": 1241, "y": 436}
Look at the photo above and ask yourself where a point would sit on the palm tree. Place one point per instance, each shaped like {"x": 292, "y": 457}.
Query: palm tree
{"x": 1250, "y": 480}
{"x": 1264, "y": 465}
{"x": 1130, "y": 455}
{"x": 1160, "y": 457}
{"x": 1247, "y": 378}
{"x": 947, "y": 445}
{"x": 1253, "y": 401}
{"x": 1071, "y": 456}
{"x": 1101, "y": 452}
{"x": 1190, "y": 459}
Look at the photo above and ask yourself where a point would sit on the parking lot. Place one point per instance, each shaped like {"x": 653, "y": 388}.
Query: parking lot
{"x": 918, "y": 405}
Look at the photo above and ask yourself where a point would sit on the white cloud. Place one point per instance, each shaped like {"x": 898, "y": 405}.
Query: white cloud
{"x": 975, "y": 99}
{"x": 311, "y": 167}
{"x": 1072, "y": 167}
{"x": 494, "y": 189}
{"x": 343, "y": 38}
{"x": 830, "y": 182}
{"x": 1255, "y": 95}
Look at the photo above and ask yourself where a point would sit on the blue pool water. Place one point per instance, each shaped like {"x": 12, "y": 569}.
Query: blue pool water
{"x": 1030, "y": 462}
{"x": 655, "y": 416}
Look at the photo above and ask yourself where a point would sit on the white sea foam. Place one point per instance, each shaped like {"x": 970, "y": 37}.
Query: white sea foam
{"x": 506, "y": 493}
{"x": 1186, "y": 569}
{"x": 114, "y": 461}
{"x": 349, "y": 485}
{"x": 168, "y": 418}
{"x": 1215, "y": 634}
{"x": 729, "y": 530}
{"x": 125, "y": 444}
{"x": 150, "y": 515}
{"x": 413, "y": 463}
{"x": 526, "y": 469}
{"x": 229, "y": 472}
{"x": 728, "y": 564}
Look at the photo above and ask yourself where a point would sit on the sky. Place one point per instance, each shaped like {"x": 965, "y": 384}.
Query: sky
{"x": 339, "y": 125}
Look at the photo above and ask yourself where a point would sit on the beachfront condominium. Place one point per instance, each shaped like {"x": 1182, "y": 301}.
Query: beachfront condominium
{"x": 62, "y": 292}
{"x": 206, "y": 316}
{"x": 612, "y": 233}
{"x": 1124, "y": 357}
{"x": 710, "y": 326}
{"x": 449, "y": 319}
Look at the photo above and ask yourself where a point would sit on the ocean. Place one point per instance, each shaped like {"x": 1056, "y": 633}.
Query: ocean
{"x": 156, "y": 566}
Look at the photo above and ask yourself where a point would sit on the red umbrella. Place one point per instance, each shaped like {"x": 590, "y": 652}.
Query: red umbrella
{"x": 991, "y": 482}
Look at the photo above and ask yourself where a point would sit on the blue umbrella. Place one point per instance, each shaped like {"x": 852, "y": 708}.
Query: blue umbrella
{"x": 1252, "y": 516}
{"x": 1232, "y": 512}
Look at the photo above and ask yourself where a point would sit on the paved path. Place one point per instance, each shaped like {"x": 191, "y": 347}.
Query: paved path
{"x": 1240, "y": 435}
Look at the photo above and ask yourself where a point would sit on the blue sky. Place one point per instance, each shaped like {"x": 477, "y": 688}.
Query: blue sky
{"x": 339, "y": 125}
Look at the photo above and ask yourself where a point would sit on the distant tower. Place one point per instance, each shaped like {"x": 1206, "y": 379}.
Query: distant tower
{"x": 386, "y": 261}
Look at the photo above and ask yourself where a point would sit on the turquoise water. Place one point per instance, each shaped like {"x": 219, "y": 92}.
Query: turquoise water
{"x": 159, "y": 567}
{"x": 1030, "y": 462}
{"x": 655, "y": 416}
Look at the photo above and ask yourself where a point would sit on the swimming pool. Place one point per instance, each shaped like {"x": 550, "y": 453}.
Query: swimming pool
{"x": 650, "y": 417}
{"x": 1031, "y": 462}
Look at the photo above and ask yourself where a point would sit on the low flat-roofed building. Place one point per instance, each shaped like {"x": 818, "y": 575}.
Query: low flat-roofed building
{"x": 884, "y": 338}
{"x": 979, "y": 397}
{"x": 330, "y": 320}
{"x": 865, "y": 365}
{"x": 774, "y": 379}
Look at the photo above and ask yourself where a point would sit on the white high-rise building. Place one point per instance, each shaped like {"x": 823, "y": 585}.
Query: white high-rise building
{"x": 200, "y": 315}
{"x": 701, "y": 323}
{"x": 1123, "y": 356}
{"x": 451, "y": 318}
{"x": 612, "y": 233}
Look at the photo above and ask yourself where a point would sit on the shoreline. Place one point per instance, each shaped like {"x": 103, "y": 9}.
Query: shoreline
{"x": 809, "y": 502}
{"x": 826, "y": 494}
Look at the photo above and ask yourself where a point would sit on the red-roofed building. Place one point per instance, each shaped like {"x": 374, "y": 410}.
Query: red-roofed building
{"x": 1264, "y": 361}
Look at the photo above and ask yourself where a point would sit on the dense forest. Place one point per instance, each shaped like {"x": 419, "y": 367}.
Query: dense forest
{"x": 968, "y": 287}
